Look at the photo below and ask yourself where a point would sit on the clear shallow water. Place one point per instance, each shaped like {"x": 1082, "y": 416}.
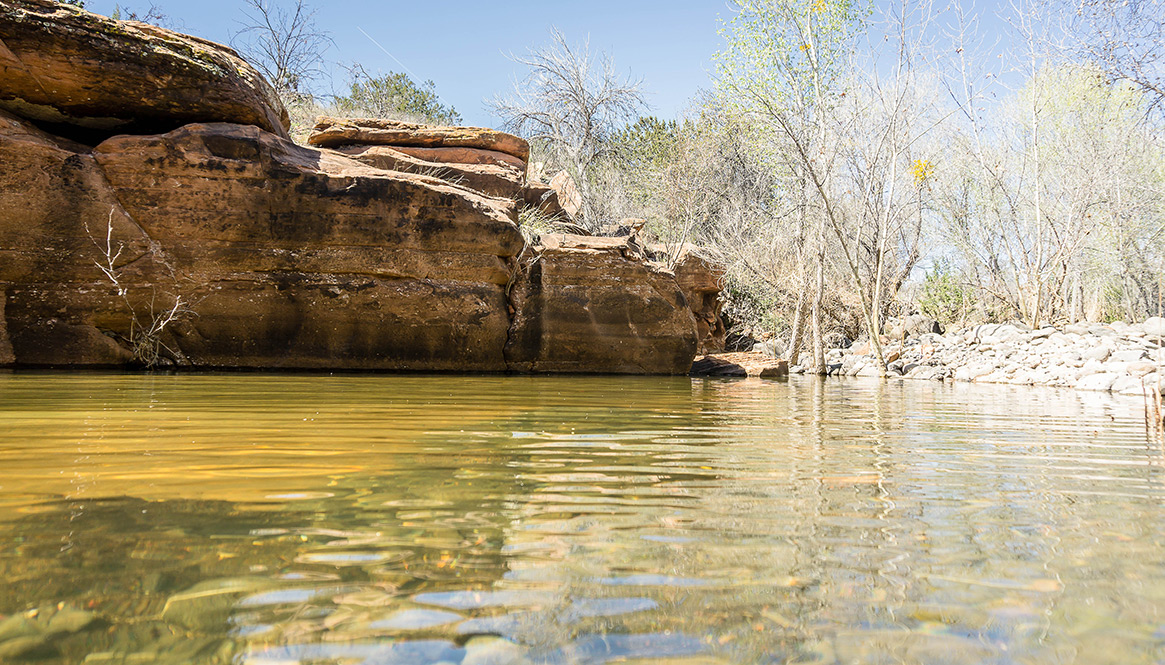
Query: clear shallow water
{"x": 270, "y": 519}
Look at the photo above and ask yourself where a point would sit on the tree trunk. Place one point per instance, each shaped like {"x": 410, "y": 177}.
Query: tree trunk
{"x": 818, "y": 296}
{"x": 793, "y": 351}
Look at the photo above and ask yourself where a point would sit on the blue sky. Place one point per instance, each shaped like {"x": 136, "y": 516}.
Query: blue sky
{"x": 463, "y": 46}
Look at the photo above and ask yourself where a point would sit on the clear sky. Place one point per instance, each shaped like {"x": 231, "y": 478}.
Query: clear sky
{"x": 463, "y": 46}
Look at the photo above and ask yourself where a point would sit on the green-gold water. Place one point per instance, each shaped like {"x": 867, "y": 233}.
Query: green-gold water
{"x": 263, "y": 519}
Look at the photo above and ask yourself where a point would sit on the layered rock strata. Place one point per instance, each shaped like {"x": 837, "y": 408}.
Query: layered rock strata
{"x": 702, "y": 282}
{"x": 66, "y": 67}
{"x": 200, "y": 236}
{"x": 331, "y": 132}
{"x": 283, "y": 256}
{"x": 593, "y": 304}
{"x": 484, "y": 160}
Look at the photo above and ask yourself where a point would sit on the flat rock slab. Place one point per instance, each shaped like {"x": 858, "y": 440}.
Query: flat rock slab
{"x": 501, "y": 180}
{"x": 331, "y": 132}
{"x": 743, "y": 363}
{"x": 64, "y": 66}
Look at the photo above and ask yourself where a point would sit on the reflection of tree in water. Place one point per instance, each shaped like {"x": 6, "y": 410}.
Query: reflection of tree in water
{"x": 593, "y": 520}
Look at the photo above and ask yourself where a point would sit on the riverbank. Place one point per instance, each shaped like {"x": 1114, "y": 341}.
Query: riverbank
{"x": 1120, "y": 358}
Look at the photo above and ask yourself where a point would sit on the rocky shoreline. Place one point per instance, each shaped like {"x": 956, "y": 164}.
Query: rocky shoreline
{"x": 1119, "y": 358}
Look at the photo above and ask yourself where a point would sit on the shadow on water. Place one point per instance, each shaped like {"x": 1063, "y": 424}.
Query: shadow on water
{"x": 382, "y": 519}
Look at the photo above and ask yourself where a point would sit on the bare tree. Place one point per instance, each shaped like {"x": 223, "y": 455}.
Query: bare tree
{"x": 570, "y": 104}
{"x": 1125, "y": 39}
{"x": 283, "y": 42}
{"x": 152, "y": 14}
{"x": 147, "y": 322}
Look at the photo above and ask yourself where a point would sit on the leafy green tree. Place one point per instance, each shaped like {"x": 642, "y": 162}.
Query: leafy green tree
{"x": 783, "y": 72}
{"x": 395, "y": 95}
{"x": 944, "y": 298}
{"x": 646, "y": 148}
{"x": 648, "y": 143}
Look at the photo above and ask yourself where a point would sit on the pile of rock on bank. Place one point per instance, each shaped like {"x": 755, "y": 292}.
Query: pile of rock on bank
{"x": 153, "y": 211}
{"x": 1120, "y": 358}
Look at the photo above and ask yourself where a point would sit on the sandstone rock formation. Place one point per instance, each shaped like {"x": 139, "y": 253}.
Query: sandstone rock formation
{"x": 332, "y": 132}
{"x": 220, "y": 243}
{"x": 740, "y": 364}
{"x": 484, "y": 160}
{"x": 544, "y": 199}
{"x": 51, "y": 190}
{"x": 66, "y": 67}
{"x": 6, "y": 355}
{"x": 501, "y": 180}
{"x": 293, "y": 257}
{"x": 587, "y": 304}
{"x": 289, "y": 257}
{"x": 702, "y": 283}
{"x": 313, "y": 260}
{"x": 568, "y": 195}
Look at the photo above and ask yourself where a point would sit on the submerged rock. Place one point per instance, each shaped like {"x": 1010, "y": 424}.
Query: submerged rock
{"x": 207, "y": 605}
{"x": 491, "y": 650}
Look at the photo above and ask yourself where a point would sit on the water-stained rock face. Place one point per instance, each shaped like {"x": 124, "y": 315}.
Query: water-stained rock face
{"x": 702, "y": 282}
{"x": 66, "y": 67}
{"x": 283, "y": 256}
{"x": 587, "y": 304}
{"x": 55, "y": 209}
{"x": 280, "y": 256}
{"x": 196, "y": 234}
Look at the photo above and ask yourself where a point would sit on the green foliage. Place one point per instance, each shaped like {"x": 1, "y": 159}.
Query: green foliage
{"x": 643, "y": 151}
{"x": 648, "y": 144}
{"x": 943, "y": 297}
{"x": 787, "y": 54}
{"x": 80, "y": 4}
{"x": 395, "y": 95}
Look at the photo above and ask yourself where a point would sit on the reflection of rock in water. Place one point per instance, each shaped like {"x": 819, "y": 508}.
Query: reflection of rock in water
{"x": 191, "y": 581}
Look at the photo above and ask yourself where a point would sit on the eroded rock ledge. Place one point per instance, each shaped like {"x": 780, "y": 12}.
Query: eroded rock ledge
{"x": 74, "y": 69}
{"x": 200, "y": 236}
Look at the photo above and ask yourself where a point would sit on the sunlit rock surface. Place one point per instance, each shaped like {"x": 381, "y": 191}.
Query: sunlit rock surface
{"x": 592, "y": 304}
{"x": 144, "y": 224}
{"x": 71, "y": 68}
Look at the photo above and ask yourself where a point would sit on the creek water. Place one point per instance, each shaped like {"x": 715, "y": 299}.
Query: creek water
{"x": 270, "y": 519}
